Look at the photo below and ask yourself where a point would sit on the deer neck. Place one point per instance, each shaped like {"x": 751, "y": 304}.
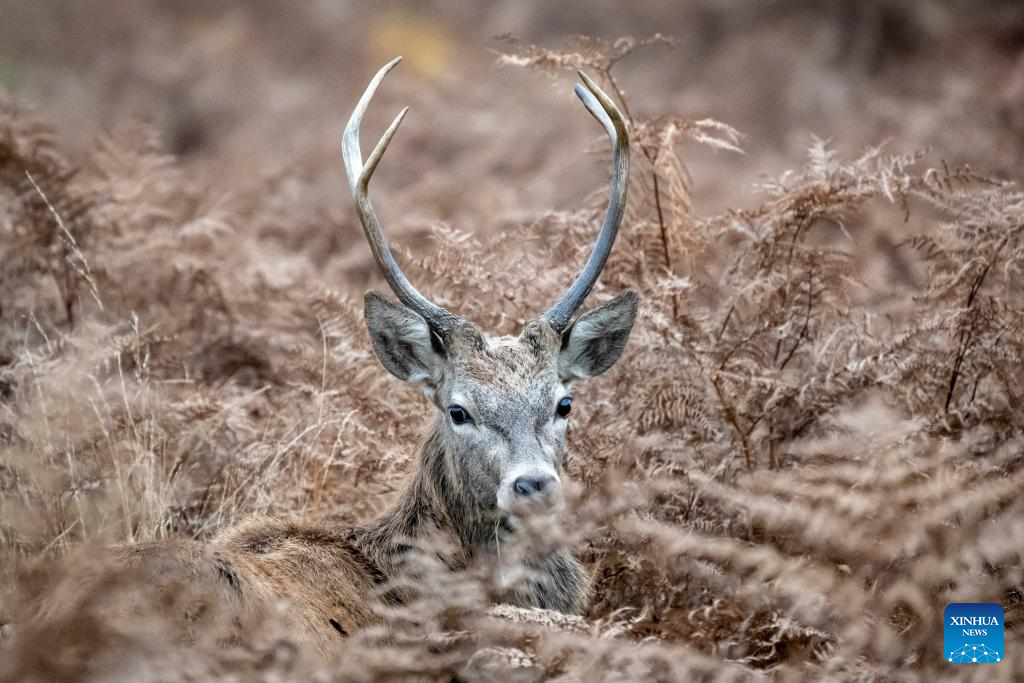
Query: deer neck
{"x": 431, "y": 505}
{"x": 434, "y": 505}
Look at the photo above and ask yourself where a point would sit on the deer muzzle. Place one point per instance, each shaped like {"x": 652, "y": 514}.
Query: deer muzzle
{"x": 530, "y": 489}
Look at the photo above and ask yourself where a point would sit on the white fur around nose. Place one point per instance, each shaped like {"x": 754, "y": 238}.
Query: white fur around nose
{"x": 507, "y": 499}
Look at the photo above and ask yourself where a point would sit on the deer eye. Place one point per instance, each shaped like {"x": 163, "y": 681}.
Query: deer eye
{"x": 563, "y": 407}
{"x": 458, "y": 414}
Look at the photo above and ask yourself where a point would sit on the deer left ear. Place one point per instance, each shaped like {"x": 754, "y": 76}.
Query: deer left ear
{"x": 402, "y": 341}
{"x": 596, "y": 340}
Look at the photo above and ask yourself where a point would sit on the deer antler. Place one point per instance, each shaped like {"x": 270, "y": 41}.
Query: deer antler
{"x": 604, "y": 110}
{"x": 597, "y": 102}
{"x": 359, "y": 176}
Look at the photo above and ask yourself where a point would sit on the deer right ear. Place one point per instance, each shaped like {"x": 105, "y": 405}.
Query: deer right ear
{"x": 403, "y": 341}
{"x": 597, "y": 338}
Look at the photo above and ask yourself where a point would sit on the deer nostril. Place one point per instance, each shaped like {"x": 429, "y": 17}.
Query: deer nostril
{"x": 529, "y": 486}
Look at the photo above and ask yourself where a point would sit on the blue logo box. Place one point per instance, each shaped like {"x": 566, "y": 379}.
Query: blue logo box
{"x": 973, "y": 633}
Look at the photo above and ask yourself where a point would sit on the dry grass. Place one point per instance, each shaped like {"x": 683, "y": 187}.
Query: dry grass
{"x": 811, "y": 446}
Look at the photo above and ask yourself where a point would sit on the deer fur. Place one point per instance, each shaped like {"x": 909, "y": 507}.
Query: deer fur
{"x": 327, "y": 576}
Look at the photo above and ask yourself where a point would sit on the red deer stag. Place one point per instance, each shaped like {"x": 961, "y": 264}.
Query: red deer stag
{"x": 495, "y": 450}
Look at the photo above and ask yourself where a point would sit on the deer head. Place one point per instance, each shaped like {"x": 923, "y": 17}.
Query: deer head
{"x": 503, "y": 402}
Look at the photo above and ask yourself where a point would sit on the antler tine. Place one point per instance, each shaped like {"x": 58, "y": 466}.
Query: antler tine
{"x": 359, "y": 176}
{"x": 603, "y": 108}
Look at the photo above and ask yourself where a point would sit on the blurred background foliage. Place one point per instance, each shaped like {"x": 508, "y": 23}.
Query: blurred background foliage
{"x": 240, "y": 89}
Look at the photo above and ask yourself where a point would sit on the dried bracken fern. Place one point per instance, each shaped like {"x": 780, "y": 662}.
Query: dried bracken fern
{"x": 811, "y": 445}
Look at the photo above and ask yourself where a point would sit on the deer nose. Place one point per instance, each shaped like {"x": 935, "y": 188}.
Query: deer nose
{"x": 532, "y": 486}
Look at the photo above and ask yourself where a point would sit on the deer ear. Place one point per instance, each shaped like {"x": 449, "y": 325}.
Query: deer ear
{"x": 403, "y": 341}
{"x": 595, "y": 341}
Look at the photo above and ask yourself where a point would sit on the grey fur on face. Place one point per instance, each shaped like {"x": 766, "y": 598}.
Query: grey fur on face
{"x": 509, "y": 389}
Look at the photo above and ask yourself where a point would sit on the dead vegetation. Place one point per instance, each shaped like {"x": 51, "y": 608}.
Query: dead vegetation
{"x": 811, "y": 446}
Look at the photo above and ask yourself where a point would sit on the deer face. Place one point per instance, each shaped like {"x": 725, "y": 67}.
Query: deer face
{"x": 504, "y": 403}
